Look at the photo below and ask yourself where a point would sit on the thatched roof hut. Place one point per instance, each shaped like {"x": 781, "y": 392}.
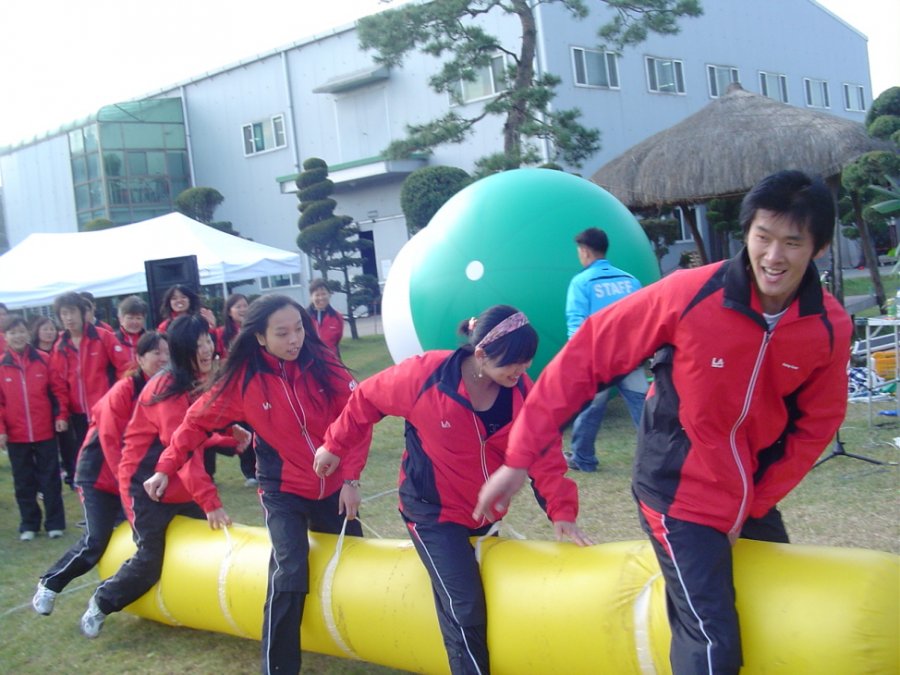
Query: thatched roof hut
{"x": 727, "y": 146}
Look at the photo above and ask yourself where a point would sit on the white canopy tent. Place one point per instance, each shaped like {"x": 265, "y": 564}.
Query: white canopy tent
{"x": 111, "y": 262}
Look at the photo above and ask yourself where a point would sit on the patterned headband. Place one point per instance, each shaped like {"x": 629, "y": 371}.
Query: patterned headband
{"x": 508, "y": 325}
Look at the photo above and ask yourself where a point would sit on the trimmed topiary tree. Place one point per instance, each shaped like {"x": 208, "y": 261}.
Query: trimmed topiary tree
{"x": 199, "y": 203}
{"x": 426, "y": 190}
{"x": 97, "y": 224}
{"x": 332, "y": 242}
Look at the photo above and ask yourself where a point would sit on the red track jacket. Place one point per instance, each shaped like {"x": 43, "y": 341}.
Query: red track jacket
{"x": 737, "y": 413}
{"x": 129, "y": 342}
{"x": 91, "y": 369}
{"x": 288, "y": 412}
{"x": 31, "y": 398}
{"x": 448, "y": 454}
{"x": 101, "y": 452}
{"x": 331, "y": 329}
{"x": 147, "y": 434}
{"x": 218, "y": 336}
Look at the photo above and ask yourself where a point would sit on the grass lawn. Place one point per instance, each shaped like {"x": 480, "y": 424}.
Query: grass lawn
{"x": 844, "y": 502}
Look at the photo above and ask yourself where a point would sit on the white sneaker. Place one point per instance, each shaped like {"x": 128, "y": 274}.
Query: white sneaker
{"x": 92, "y": 620}
{"x": 27, "y": 535}
{"x": 43, "y": 599}
{"x": 55, "y": 534}
{"x": 251, "y": 482}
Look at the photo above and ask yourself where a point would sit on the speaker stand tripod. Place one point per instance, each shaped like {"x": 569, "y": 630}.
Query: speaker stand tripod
{"x": 837, "y": 450}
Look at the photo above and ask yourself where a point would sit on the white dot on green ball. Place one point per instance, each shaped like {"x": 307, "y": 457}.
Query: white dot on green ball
{"x": 474, "y": 270}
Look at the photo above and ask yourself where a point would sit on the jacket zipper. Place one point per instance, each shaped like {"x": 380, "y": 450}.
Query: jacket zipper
{"x": 481, "y": 452}
{"x": 301, "y": 419}
{"x": 735, "y": 528}
{"x": 82, "y": 390}
{"x": 24, "y": 382}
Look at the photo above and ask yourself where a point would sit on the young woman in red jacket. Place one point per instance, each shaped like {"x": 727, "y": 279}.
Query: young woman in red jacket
{"x": 43, "y": 333}
{"x": 235, "y": 311}
{"x": 90, "y": 360}
{"x": 132, "y": 314}
{"x": 161, "y": 406}
{"x": 281, "y": 380}
{"x": 459, "y": 407}
{"x": 180, "y": 300}
{"x": 32, "y": 407}
{"x": 96, "y": 472}
{"x": 328, "y": 321}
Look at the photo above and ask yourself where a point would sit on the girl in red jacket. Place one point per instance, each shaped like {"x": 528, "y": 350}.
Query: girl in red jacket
{"x": 30, "y": 399}
{"x": 160, "y": 408}
{"x": 328, "y": 321}
{"x": 281, "y": 380}
{"x": 459, "y": 407}
{"x": 43, "y": 333}
{"x": 180, "y": 300}
{"x": 95, "y": 473}
{"x": 235, "y": 310}
{"x": 91, "y": 360}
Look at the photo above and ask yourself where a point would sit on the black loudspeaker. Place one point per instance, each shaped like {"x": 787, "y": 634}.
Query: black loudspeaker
{"x": 164, "y": 273}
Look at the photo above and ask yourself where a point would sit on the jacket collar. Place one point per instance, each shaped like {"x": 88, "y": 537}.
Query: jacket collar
{"x": 449, "y": 379}
{"x": 89, "y": 331}
{"x": 740, "y": 289}
{"x": 10, "y": 358}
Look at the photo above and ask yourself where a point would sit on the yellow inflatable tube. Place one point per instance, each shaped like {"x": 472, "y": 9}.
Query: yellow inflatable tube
{"x": 551, "y": 607}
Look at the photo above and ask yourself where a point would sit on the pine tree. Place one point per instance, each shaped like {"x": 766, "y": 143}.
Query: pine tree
{"x": 448, "y": 29}
{"x": 331, "y": 241}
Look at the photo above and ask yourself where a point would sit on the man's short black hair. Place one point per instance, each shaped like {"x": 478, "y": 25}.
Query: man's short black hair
{"x": 804, "y": 200}
{"x": 70, "y": 299}
{"x": 593, "y": 238}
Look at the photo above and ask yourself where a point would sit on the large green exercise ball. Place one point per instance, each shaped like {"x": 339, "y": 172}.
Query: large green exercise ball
{"x": 506, "y": 239}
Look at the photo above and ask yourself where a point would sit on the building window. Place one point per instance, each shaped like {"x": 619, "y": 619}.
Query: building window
{"x": 774, "y": 86}
{"x": 719, "y": 78}
{"x": 280, "y": 281}
{"x": 665, "y": 76}
{"x": 854, "y": 98}
{"x": 595, "y": 68}
{"x": 489, "y": 81}
{"x": 816, "y": 93}
{"x": 262, "y": 136}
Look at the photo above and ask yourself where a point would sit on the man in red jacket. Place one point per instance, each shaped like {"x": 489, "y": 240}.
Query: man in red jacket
{"x": 90, "y": 360}
{"x": 750, "y": 385}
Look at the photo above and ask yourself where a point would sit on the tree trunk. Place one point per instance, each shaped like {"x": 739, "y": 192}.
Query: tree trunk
{"x": 868, "y": 247}
{"x": 351, "y": 319}
{"x": 837, "y": 270}
{"x": 690, "y": 217}
{"x": 516, "y": 117}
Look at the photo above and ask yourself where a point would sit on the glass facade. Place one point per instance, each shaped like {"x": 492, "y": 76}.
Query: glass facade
{"x": 131, "y": 163}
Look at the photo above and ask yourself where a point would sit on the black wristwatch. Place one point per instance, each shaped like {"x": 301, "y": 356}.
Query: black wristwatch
{"x": 352, "y": 483}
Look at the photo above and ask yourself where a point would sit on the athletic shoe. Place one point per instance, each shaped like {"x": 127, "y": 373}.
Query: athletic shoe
{"x": 574, "y": 466}
{"x": 27, "y": 535}
{"x": 251, "y": 482}
{"x": 43, "y": 599}
{"x": 55, "y": 534}
{"x": 92, "y": 620}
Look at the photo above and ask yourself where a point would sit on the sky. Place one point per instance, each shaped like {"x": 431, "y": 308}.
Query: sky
{"x": 61, "y": 60}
